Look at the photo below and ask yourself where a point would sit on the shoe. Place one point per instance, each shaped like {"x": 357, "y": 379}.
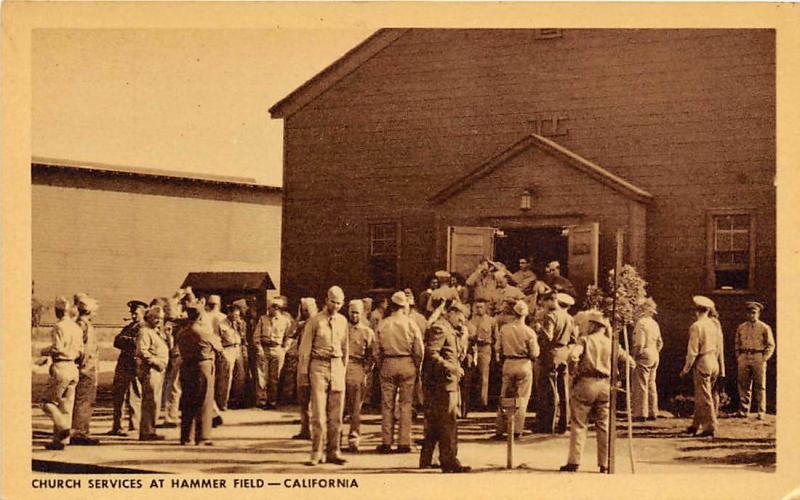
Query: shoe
{"x": 168, "y": 425}
{"x": 83, "y": 441}
{"x": 117, "y": 432}
{"x": 419, "y": 441}
{"x": 336, "y": 460}
{"x": 207, "y": 443}
{"x": 603, "y": 470}
{"x": 313, "y": 462}
{"x": 760, "y": 416}
{"x": 383, "y": 448}
{"x": 216, "y": 421}
{"x": 741, "y": 414}
{"x": 61, "y": 436}
{"x": 353, "y": 448}
{"x": 517, "y": 435}
{"x": 569, "y": 468}
{"x": 301, "y": 435}
{"x": 456, "y": 469}
{"x": 652, "y": 418}
{"x": 403, "y": 449}
{"x": 497, "y": 437}
{"x": 54, "y": 446}
{"x": 152, "y": 437}
{"x": 705, "y": 434}
{"x": 691, "y": 430}
{"x": 639, "y": 419}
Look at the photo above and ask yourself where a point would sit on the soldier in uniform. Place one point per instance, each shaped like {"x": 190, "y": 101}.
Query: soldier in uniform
{"x": 199, "y": 348}
{"x": 398, "y": 354}
{"x": 524, "y": 276}
{"x": 484, "y": 336}
{"x": 557, "y": 282}
{"x": 482, "y": 282}
{"x": 720, "y": 383}
{"x": 646, "y": 344}
{"x": 238, "y": 336}
{"x": 433, "y": 283}
{"x": 441, "y": 372}
{"x": 702, "y": 360}
{"x": 517, "y": 347}
{"x": 444, "y": 293}
{"x": 86, "y": 389}
{"x": 590, "y": 365}
{"x": 504, "y": 293}
{"x": 171, "y": 395}
{"x": 422, "y": 325}
{"x": 361, "y": 338}
{"x": 322, "y": 365}
{"x": 65, "y": 349}
{"x": 306, "y": 310}
{"x": 754, "y": 345}
{"x": 271, "y": 339}
{"x": 126, "y": 385}
{"x": 558, "y": 332}
{"x": 152, "y": 352}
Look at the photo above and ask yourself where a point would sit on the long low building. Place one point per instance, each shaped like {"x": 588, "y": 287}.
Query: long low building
{"x": 124, "y": 233}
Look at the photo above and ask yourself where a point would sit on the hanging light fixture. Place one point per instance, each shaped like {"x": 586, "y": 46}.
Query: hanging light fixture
{"x": 525, "y": 200}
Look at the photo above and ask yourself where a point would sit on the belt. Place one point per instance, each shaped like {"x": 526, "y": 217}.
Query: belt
{"x": 593, "y": 374}
{"x": 322, "y": 358}
{"x": 751, "y": 351}
{"x": 271, "y": 344}
{"x": 397, "y": 356}
{"x": 65, "y": 361}
{"x": 516, "y": 357}
{"x": 484, "y": 342}
{"x": 230, "y": 345}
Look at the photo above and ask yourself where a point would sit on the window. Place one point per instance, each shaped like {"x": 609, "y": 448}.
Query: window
{"x": 383, "y": 254}
{"x": 731, "y": 250}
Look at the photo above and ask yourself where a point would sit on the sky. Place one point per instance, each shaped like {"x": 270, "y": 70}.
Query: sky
{"x": 193, "y": 101}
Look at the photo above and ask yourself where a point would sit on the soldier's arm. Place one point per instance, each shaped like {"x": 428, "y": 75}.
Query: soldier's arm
{"x": 304, "y": 352}
{"x": 346, "y": 345}
{"x": 143, "y": 343}
{"x": 368, "y": 351}
{"x": 737, "y": 340}
{"x": 769, "y": 340}
{"x": 638, "y": 339}
{"x": 287, "y": 339}
{"x": 417, "y": 347}
{"x": 436, "y": 341}
{"x": 533, "y": 346}
{"x": 692, "y": 349}
{"x": 498, "y": 344}
{"x": 56, "y": 343}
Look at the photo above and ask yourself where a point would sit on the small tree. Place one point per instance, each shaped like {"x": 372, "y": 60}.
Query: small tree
{"x": 630, "y": 292}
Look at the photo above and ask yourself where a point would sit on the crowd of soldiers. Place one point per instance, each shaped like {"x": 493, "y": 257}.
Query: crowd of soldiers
{"x": 184, "y": 359}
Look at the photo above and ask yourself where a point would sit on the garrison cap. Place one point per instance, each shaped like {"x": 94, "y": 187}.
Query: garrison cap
{"x": 753, "y": 305}
{"x": 336, "y": 293}
{"x": 400, "y": 298}
{"x": 648, "y": 305}
{"x": 521, "y": 308}
{"x": 565, "y": 299}
{"x": 703, "y": 301}
{"x": 597, "y": 317}
{"x": 442, "y": 275}
{"x": 310, "y": 304}
{"x": 356, "y": 305}
{"x": 136, "y": 304}
{"x": 455, "y": 305}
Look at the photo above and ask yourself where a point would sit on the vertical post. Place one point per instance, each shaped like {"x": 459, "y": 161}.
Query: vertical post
{"x": 628, "y": 401}
{"x": 612, "y": 412}
{"x": 510, "y": 414}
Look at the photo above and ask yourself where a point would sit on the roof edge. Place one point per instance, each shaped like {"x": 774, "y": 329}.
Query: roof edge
{"x": 334, "y": 72}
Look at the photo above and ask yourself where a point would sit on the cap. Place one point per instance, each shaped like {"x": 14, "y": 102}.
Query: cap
{"x": 400, "y": 298}
{"x": 702, "y": 301}
{"x": 240, "y": 304}
{"x": 336, "y": 293}
{"x": 565, "y": 299}
{"x": 442, "y": 275}
{"x": 87, "y": 304}
{"x": 356, "y": 305}
{"x": 61, "y": 303}
{"x": 136, "y": 304}
{"x": 521, "y": 308}
{"x": 276, "y": 301}
{"x": 753, "y": 305}
{"x": 214, "y": 300}
{"x": 597, "y": 317}
{"x": 409, "y": 295}
{"x": 310, "y": 304}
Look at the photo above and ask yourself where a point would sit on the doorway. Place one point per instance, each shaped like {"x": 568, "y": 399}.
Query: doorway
{"x": 543, "y": 244}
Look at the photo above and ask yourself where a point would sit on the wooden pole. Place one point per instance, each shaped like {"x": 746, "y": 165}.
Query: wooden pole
{"x": 612, "y": 411}
{"x": 510, "y": 414}
{"x": 628, "y": 401}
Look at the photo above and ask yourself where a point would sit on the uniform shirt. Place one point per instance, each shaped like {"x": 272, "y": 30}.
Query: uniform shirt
{"x": 170, "y": 328}
{"x": 152, "y": 348}
{"x": 272, "y": 330}
{"x": 296, "y": 336}
{"x": 66, "y": 341}
{"x": 485, "y": 328}
{"x": 443, "y": 293}
{"x": 506, "y": 293}
{"x": 755, "y": 336}
{"x": 91, "y": 350}
{"x": 419, "y": 320}
{"x": 325, "y": 337}
{"x": 517, "y": 340}
{"x": 646, "y": 343}
{"x": 125, "y": 340}
{"x": 375, "y": 318}
{"x": 721, "y": 345}
{"x": 238, "y": 331}
{"x": 523, "y": 278}
{"x": 196, "y": 340}
{"x": 440, "y": 368}
{"x": 361, "y": 338}
{"x": 559, "y": 329}
{"x": 398, "y": 335}
{"x": 703, "y": 343}
{"x": 483, "y": 285}
{"x": 221, "y": 325}
{"x": 591, "y": 356}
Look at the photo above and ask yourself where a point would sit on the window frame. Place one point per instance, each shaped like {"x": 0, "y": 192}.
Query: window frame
{"x": 711, "y": 267}
{"x": 371, "y": 223}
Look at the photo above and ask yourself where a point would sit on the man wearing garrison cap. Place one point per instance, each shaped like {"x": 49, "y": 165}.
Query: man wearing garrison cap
{"x": 126, "y": 386}
{"x": 443, "y": 293}
{"x": 359, "y": 365}
{"x": 271, "y": 338}
{"x": 322, "y": 364}
{"x": 755, "y": 344}
{"x": 86, "y": 390}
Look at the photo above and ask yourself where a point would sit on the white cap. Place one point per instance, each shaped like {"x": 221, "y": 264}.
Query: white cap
{"x": 400, "y": 298}
{"x": 336, "y": 293}
{"x": 703, "y": 301}
{"x": 521, "y": 308}
{"x": 565, "y": 299}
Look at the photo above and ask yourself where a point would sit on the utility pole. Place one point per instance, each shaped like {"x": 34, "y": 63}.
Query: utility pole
{"x": 612, "y": 411}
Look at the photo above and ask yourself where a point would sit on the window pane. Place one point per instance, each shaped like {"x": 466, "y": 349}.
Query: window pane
{"x": 724, "y": 258}
{"x": 724, "y": 240}
{"x": 741, "y": 241}
{"x": 741, "y": 222}
{"x": 731, "y": 280}
{"x": 741, "y": 257}
{"x": 724, "y": 222}
{"x": 383, "y": 271}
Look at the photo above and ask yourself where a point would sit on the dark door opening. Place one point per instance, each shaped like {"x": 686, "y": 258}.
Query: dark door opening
{"x": 543, "y": 244}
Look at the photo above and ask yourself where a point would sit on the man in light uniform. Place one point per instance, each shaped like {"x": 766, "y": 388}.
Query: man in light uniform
{"x": 523, "y": 278}
{"x": 171, "y": 396}
{"x": 557, "y": 282}
{"x": 65, "y": 349}
{"x": 558, "y": 332}
{"x": 517, "y": 347}
{"x": 504, "y": 293}
{"x": 322, "y": 365}
{"x": 484, "y": 329}
{"x": 219, "y": 323}
{"x": 126, "y": 386}
{"x": 646, "y": 344}
{"x": 359, "y": 365}
{"x": 702, "y": 361}
{"x": 398, "y": 354}
{"x": 152, "y": 353}
{"x": 271, "y": 339}
{"x": 86, "y": 390}
{"x": 443, "y": 293}
{"x": 590, "y": 366}
{"x": 754, "y": 345}
{"x": 482, "y": 282}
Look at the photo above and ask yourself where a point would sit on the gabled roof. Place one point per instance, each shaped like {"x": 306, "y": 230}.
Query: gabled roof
{"x": 533, "y": 140}
{"x": 229, "y": 281}
{"x": 339, "y": 69}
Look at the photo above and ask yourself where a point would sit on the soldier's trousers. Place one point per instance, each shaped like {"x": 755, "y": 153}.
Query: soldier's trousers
{"x": 398, "y": 375}
{"x": 269, "y": 370}
{"x": 197, "y": 399}
{"x": 465, "y": 386}
{"x": 171, "y": 395}
{"x": 152, "y": 382}
{"x": 288, "y": 379}
{"x": 327, "y": 379}
{"x": 126, "y": 389}
{"x": 517, "y": 382}
{"x": 752, "y": 371}
{"x": 589, "y": 394}
{"x": 224, "y": 375}
{"x": 355, "y": 387}
{"x": 705, "y": 414}
{"x": 59, "y": 399}
{"x": 644, "y": 391}
{"x": 441, "y": 415}
{"x": 85, "y": 396}
{"x": 484, "y": 367}
{"x": 239, "y": 380}
{"x": 304, "y": 402}
{"x": 554, "y": 400}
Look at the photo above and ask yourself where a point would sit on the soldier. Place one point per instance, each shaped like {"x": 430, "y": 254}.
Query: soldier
{"x": 433, "y": 283}
{"x": 152, "y": 352}
{"x": 517, "y": 347}
{"x": 523, "y": 278}
{"x": 231, "y": 351}
{"x": 322, "y": 364}
{"x": 306, "y": 310}
{"x": 239, "y": 378}
{"x": 65, "y": 350}
{"x": 171, "y": 395}
{"x": 558, "y": 332}
{"x": 126, "y": 387}
{"x": 86, "y": 389}
{"x": 754, "y": 345}
{"x": 422, "y": 325}
{"x": 219, "y": 324}
{"x": 271, "y": 338}
{"x": 702, "y": 361}
{"x": 482, "y": 282}
{"x": 444, "y": 293}
{"x": 590, "y": 365}
{"x": 441, "y": 373}
{"x": 398, "y": 354}
{"x": 504, "y": 293}
{"x": 199, "y": 348}
{"x": 646, "y": 344}
{"x": 457, "y": 283}
{"x": 719, "y": 385}
{"x": 484, "y": 336}
{"x": 361, "y": 338}
{"x": 557, "y": 282}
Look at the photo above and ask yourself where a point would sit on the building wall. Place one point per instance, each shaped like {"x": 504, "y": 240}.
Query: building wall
{"x": 119, "y": 242}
